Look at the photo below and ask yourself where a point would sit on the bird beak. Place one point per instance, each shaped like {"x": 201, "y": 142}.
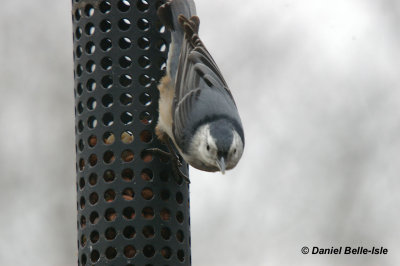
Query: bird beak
{"x": 221, "y": 165}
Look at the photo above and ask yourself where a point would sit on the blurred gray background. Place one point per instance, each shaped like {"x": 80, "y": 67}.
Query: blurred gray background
{"x": 318, "y": 87}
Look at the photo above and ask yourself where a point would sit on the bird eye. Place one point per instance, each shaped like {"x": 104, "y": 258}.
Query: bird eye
{"x": 208, "y": 147}
{"x": 234, "y": 151}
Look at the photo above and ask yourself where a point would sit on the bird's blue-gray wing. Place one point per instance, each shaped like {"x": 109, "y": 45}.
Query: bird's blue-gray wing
{"x": 201, "y": 93}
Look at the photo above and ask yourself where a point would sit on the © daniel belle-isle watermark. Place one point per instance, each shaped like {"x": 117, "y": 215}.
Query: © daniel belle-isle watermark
{"x": 344, "y": 250}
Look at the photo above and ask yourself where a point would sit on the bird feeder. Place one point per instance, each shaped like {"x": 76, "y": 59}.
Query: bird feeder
{"x": 132, "y": 210}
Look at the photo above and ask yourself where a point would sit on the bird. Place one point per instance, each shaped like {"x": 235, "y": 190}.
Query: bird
{"x": 197, "y": 111}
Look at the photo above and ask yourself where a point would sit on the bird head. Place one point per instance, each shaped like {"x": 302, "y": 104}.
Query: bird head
{"x": 217, "y": 146}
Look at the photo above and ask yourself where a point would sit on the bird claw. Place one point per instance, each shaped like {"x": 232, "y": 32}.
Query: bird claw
{"x": 176, "y": 163}
{"x": 162, "y": 154}
{"x": 183, "y": 176}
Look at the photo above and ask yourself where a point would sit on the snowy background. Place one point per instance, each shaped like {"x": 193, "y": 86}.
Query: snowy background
{"x": 318, "y": 87}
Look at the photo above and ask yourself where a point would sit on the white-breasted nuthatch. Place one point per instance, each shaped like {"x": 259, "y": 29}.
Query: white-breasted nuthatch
{"x": 196, "y": 108}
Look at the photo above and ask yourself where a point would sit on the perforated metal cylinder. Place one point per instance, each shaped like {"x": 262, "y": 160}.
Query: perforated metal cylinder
{"x": 131, "y": 209}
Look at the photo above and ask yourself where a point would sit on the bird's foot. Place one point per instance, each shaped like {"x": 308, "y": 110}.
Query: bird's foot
{"x": 176, "y": 163}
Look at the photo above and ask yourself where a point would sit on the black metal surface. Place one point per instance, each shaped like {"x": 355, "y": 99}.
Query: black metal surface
{"x": 131, "y": 210}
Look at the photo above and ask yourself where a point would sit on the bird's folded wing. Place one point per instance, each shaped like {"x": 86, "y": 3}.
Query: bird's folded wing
{"x": 200, "y": 91}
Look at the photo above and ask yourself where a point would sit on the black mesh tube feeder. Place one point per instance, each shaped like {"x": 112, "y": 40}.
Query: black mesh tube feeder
{"x": 132, "y": 211}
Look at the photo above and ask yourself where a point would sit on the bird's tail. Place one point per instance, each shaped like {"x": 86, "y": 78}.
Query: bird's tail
{"x": 172, "y": 9}
{"x": 169, "y": 14}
